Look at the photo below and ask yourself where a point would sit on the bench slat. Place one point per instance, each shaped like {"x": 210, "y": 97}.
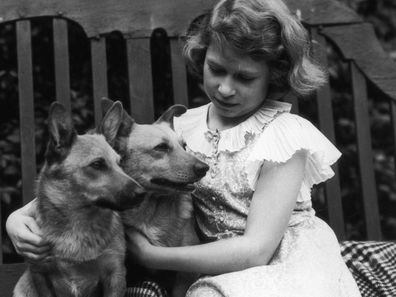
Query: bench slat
{"x": 393, "y": 115}
{"x": 61, "y": 55}
{"x": 179, "y": 76}
{"x": 369, "y": 193}
{"x": 26, "y": 109}
{"x": 140, "y": 80}
{"x": 99, "y": 74}
{"x": 326, "y": 123}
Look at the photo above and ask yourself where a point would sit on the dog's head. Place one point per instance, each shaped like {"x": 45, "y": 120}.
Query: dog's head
{"x": 155, "y": 155}
{"x": 85, "y": 166}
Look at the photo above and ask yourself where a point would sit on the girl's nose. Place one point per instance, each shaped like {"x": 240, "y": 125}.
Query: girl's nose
{"x": 226, "y": 89}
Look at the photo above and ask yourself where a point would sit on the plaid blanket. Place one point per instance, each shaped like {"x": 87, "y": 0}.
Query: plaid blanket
{"x": 146, "y": 289}
{"x": 373, "y": 265}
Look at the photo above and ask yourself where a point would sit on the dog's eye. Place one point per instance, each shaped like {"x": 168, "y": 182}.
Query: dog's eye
{"x": 184, "y": 145}
{"x": 99, "y": 164}
{"x": 164, "y": 147}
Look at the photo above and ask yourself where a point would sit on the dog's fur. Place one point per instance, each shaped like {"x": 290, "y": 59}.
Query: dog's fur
{"x": 79, "y": 187}
{"x": 154, "y": 155}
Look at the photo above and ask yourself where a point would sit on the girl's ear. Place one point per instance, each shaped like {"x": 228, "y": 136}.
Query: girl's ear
{"x": 173, "y": 111}
{"x": 61, "y": 133}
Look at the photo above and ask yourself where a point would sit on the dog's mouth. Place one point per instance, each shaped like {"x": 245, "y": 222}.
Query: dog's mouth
{"x": 172, "y": 184}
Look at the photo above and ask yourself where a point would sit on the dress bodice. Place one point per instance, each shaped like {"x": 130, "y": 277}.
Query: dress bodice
{"x": 235, "y": 156}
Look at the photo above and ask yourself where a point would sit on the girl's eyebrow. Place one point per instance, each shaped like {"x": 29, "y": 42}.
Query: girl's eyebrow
{"x": 245, "y": 72}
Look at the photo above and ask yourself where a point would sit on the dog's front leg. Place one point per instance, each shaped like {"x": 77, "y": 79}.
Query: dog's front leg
{"x": 114, "y": 283}
{"x": 185, "y": 279}
{"x": 113, "y": 276}
{"x": 42, "y": 284}
{"x": 25, "y": 286}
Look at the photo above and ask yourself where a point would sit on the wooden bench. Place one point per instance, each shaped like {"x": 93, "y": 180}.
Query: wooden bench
{"x": 327, "y": 21}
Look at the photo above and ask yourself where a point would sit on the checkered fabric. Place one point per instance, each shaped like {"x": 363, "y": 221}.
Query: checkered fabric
{"x": 146, "y": 289}
{"x": 373, "y": 265}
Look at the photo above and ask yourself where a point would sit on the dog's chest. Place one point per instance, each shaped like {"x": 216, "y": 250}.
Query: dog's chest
{"x": 161, "y": 219}
{"x": 77, "y": 280}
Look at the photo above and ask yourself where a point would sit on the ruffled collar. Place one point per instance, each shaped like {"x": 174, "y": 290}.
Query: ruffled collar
{"x": 199, "y": 138}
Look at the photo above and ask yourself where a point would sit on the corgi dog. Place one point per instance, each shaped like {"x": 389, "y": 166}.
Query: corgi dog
{"x": 80, "y": 190}
{"x": 155, "y": 156}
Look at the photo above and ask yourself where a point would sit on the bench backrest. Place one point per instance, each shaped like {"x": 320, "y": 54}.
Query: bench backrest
{"x": 327, "y": 21}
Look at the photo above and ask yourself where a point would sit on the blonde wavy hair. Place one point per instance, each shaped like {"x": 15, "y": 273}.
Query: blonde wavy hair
{"x": 263, "y": 30}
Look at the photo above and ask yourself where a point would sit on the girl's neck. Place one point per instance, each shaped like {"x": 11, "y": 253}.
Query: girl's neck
{"x": 218, "y": 122}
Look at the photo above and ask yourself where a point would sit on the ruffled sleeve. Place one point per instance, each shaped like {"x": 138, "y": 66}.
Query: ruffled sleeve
{"x": 285, "y": 135}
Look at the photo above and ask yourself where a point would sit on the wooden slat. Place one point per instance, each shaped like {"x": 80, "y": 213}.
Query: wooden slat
{"x": 9, "y": 275}
{"x": 140, "y": 80}
{"x": 61, "y": 55}
{"x": 369, "y": 193}
{"x": 393, "y": 115}
{"x": 326, "y": 123}
{"x": 179, "y": 75}
{"x": 26, "y": 109}
{"x": 99, "y": 74}
{"x": 1, "y": 237}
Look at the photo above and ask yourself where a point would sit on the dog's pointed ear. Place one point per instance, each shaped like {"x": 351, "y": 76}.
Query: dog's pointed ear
{"x": 127, "y": 121}
{"x": 173, "y": 111}
{"x": 106, "y": 104}
{"x": 61, "y": 132}
{"x": 111, "y": 122}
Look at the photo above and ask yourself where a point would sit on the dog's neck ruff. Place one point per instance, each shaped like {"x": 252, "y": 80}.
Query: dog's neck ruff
{"x": 76, "y": 234}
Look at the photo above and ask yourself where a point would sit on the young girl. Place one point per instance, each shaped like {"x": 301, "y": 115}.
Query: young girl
{"x": 259, "y": 233}
{"x": 253, "y": 208}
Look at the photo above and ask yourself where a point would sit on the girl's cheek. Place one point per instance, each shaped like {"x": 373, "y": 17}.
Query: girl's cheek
{"x": 209, "y": 84}
{"x": 207, "y": 89}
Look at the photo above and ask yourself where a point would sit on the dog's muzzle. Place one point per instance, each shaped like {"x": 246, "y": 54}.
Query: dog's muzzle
{"x": 131, "y": 197}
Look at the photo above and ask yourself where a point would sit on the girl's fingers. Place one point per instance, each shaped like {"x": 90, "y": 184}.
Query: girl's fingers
{"x": 29, "y": 248}
{"x": 33, "y": 239}
{"x": 34, "y": 258}
{"x": 32, "y": 225}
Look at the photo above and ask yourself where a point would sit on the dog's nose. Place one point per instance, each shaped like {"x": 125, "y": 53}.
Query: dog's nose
{"x": 138, "y": 197}
{"x": 200, "y": 169}
{"x": 140, "y": 192}
{"x": 133, "y": 196}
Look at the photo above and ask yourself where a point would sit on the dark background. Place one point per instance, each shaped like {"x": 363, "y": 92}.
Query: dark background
{"x": 381, "y": 13}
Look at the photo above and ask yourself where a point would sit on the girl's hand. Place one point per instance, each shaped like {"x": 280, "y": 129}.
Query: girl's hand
{"x": 138, "y": 245}
{"x": 26, "y": 236}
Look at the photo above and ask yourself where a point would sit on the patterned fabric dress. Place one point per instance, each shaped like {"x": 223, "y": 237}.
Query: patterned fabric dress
{"x": 308, "y": 260}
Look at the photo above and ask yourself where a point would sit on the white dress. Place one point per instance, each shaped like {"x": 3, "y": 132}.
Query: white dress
{"x": 307, "y": 261}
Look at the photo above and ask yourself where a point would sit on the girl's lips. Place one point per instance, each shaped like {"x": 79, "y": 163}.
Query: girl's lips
{"x": 222, "y": 103}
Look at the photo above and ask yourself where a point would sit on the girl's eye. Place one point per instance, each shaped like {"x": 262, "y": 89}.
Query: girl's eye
{"x": 99, "y": 164}
{"x": 216, "y": 70}
{"x": 244, "y": 78}
{"x": 163, "y": 147}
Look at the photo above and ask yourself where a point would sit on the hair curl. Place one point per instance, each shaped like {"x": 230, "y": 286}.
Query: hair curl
{"x": 263, "y": 30}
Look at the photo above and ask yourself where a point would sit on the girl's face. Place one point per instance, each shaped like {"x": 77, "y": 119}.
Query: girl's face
{"x": 236, "y": 84}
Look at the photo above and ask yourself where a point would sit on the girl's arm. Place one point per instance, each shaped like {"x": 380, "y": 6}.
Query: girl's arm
{"x": 269, "y": 214}
{"x": 25, "y": 234}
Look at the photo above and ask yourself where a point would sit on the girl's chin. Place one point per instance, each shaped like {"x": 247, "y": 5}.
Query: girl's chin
{"x": 225, "y": 112}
